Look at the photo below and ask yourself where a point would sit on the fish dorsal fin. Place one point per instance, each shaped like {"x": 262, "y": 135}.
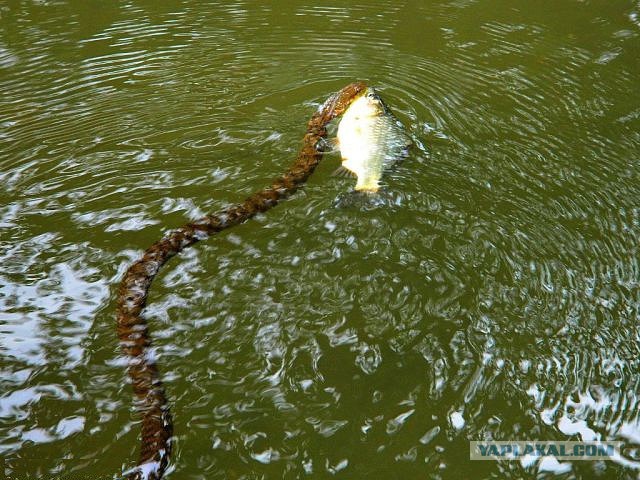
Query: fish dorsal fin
{"x": 343, "y": 171}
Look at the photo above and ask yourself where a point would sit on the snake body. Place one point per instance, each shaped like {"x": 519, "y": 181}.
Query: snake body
{"x": 157, "y": 426}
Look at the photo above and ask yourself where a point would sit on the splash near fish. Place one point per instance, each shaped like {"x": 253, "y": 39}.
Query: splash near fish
{"x": 370, "y": 140}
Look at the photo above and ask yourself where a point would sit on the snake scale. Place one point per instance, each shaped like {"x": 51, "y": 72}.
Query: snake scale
{"x": 157, "y": 426}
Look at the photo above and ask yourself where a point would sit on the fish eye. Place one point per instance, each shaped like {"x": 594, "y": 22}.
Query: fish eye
{"x": 371, "y": 95}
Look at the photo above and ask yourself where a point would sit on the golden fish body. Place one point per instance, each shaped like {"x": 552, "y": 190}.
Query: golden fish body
{"x": 370, "y": 139}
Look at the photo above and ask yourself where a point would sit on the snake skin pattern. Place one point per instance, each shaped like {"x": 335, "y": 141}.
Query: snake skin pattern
{"x": 132, "y": 328}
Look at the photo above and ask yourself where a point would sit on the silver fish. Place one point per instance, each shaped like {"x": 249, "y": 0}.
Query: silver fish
{"x": 370, "y": 139}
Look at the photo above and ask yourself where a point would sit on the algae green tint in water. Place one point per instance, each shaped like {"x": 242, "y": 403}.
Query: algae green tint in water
{"x": 493, "y": 294}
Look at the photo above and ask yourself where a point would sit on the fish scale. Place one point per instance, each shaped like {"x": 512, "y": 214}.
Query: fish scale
{"x": 370, "y": 140}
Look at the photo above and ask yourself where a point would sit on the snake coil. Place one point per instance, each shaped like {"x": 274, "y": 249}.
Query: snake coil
{"x": 157, "y": 427}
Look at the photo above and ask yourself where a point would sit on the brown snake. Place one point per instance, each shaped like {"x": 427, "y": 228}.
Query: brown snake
{"x": 133, "y": 333}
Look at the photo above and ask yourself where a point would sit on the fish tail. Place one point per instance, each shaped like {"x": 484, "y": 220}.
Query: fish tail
{"x": 367, "y": 185}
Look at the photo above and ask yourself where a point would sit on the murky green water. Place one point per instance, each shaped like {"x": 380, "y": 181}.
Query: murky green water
{"x": 495, "y": 295}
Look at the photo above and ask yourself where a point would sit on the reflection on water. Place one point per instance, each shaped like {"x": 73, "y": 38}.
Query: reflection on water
{"x": 492, "y": 294}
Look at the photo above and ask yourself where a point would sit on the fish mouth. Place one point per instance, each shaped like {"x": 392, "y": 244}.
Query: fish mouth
{"x": 374, "y": 98}
{"x": 368, "y": 92}
{"x": 371, "y": 93}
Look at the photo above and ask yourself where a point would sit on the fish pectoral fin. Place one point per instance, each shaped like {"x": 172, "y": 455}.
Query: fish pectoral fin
{"x": 343, "y": 171}
{"x": 328, "y": 145}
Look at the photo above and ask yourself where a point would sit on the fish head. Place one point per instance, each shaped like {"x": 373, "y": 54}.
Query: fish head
{"x": 366, "y": 104}
{"x": 374, "y": 103}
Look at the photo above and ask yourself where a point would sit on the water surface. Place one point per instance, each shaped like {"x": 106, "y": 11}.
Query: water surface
{"x": 494, "y": 294}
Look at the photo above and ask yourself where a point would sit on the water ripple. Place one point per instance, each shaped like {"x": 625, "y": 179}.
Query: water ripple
{"x": 491, "y": 293}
